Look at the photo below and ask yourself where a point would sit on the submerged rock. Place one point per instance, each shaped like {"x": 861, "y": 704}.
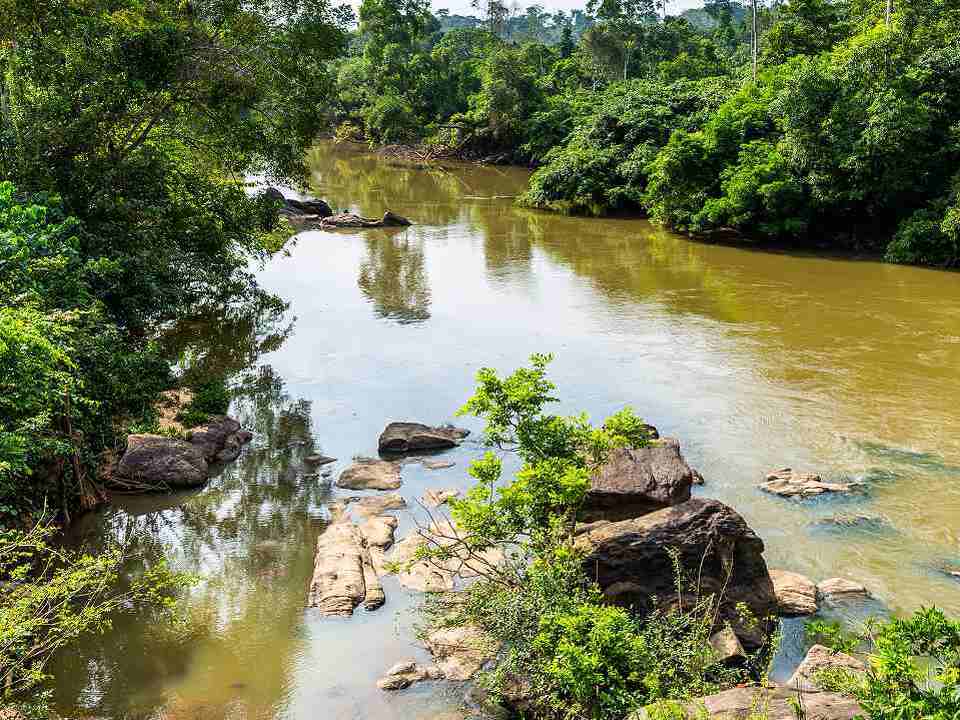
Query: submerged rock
{"x": 368, "y": 474}
{"x": 407, "y": 672}
{"x": 631, "y": 562}
{"x": 821, "y": 658}
{"x": 636, "y": 481}
{"x": 155, "y": 462}
{"x": 351, "y": 220}
{"x": 771, "y": 703}
{"x": 403, "y": 437}
{"x": 796, "y": 594}
{"x": 461, "y": 652}
{"x": 854, "y": 521}
{"x": 789, "y": 483}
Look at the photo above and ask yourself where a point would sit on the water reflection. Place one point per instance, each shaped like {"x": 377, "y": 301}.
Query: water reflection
{"x": 393, "y": 276}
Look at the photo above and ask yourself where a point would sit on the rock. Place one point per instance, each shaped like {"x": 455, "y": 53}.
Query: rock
{"x": 158, "y": 462}
{"x": 402, "y": 437}
{"x": 367, "y": 474}
{"x": 407, "y": 672}
{"x": 727, "y": 648}
{"x": 343, "y": 573}
{"x": 788, "y": 483}
{"x": 854, "y": 521}
{"x": 842, "y": 589}
{"x": 437, "y": 464}
{"x": 211, "y": 437}
{"x": 629, "y": 559}
{"x": 437, "y": 575}
{"x": 770, "y": 703}
{"x": 233, "y": 445}
{"x": 633, "y": 482}
{"x": 352, "y": 220}
{"x": 378, "y": 531}
{"x": 297, "y": 209}
{"x": 796, "y": 594}
{"x": 698, "y": 478}
{"x": 820, "y": 658}
{"x": 460, "y": 652}
{"x": 377, "y": 504}
{"x": 319, "y": 460}
{"x": 436, "y": 498}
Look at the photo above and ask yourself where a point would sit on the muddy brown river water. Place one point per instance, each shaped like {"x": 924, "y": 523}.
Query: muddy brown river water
{"x": 755, "y": 360}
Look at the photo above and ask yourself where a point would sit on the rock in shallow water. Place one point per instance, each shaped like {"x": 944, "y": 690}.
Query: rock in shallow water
{"x": 796, "y": 594}
{"x": 403, "y": 437}
{"x": 460, "y": 652}
{"x": 343, "y": 575}
{"x": 789, "y": 483}
{"x": 842, "y": 589}
{"x": 369, "y": 474}
{"x": 158, "y": 462}
{"x": 436, "y": 498}
{"x": 407, "y": 672}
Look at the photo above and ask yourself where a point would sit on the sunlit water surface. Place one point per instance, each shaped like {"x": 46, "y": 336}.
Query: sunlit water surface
{"x": 755, "y": 360}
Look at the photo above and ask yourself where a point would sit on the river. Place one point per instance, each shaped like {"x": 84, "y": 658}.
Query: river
{"x": 755, "y": 360}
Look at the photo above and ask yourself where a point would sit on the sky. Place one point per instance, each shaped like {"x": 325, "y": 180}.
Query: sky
{"x": 462, "y": 7}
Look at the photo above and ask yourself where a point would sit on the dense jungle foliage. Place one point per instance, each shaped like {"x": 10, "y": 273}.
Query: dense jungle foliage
{"x": 845, "y": 136}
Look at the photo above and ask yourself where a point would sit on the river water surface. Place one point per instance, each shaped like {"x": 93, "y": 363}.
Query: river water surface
{"x": 755, "y": 360}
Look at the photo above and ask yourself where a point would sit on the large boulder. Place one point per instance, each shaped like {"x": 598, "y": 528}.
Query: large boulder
{"x": 156, "y": 462}
{"x": 636, "y": 481}
{"x": 212, "y": 437}
{"x": 821, "y": 658}
{"x": 402, "y": 437}
{"x": 631, "y": 561}
{"x": 770, "y": 703}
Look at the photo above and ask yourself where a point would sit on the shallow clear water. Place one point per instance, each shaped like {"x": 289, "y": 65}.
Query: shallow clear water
{"x": 755, "y": 360}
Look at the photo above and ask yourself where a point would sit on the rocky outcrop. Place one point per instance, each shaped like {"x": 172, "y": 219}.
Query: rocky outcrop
{"x": 636, "y": 481}
{"x": 298, "y": 209}
{"x": 351, "y": 220}
{"x": 796, "y": 594}
{"x": 157, "y": 462}
{"x": 789, "y": 483}
{"x": 842, "y": 589}
{"x": 460, "y": 652}
{"x": 820, "y": 658}
{"x": 368, "y": 474}
{"x": 343, "y": 575}
{"x": 631, "y": 562}
{"x": 404, "y": 437}
{"x": 407, "y": 672}
{"x": 771, "y": 703}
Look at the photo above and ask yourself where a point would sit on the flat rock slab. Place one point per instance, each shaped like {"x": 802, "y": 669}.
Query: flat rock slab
{"x": 407, "y": 672}
{"x": 796, "y": 594}
{"x": 368, "y": 474}
{"x": 772, "y": 703}
{"x": 791, "y": 484}
{"x": 636, "y": 481}
{"x": 352, "y": 220}
{"x": 376, "y": 504}
{"x": 404, "y": 437}
{"x": 436, "y": 498}
{"x": 818, "y": 658}
{"x": 378, "y": 531}
{"x": 343, "y": 575}
{"x": 842, "y": 589}
{"x": 460, "y": 652}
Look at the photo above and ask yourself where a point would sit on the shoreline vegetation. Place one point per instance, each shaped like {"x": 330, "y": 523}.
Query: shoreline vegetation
{"x": 126, "y": 132}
